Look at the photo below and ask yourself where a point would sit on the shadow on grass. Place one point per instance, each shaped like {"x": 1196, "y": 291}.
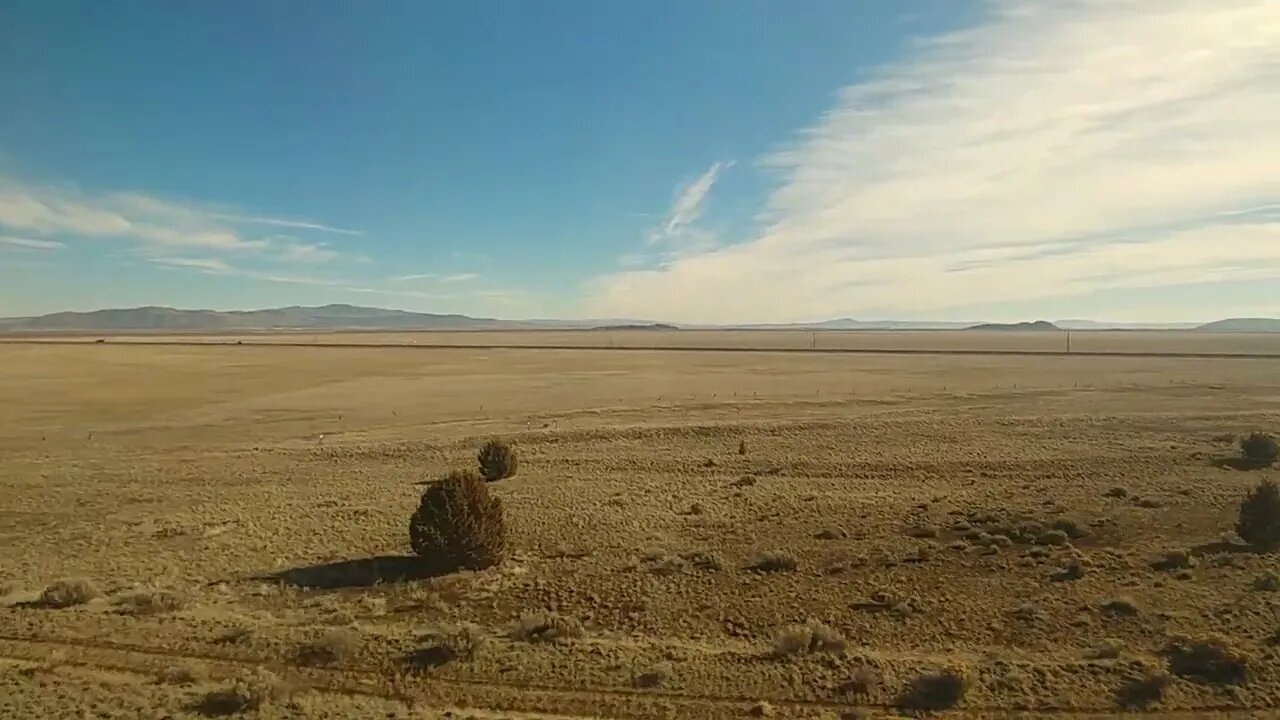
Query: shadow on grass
{"x": 1239, "y": 463}
{"x": 361, "y": 572}
{"x": 1223, "y": 546}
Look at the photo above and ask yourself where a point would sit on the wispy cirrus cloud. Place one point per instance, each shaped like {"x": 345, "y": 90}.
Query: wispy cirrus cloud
{"x": 209, "y": 264}
{"x": 437, "y": 277}
{"x": 686, "y": 208}
{"x": 151, "y": 223}
{"x": 1049, "y": 151}
{"x": 30, "y": 243}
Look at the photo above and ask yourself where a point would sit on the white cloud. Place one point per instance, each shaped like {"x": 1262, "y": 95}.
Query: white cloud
{"x": 459, "y": 277}
{"x": 30, "y": 244}
{"x": 687, "y": 206}
{"x": 1051, "y": 150}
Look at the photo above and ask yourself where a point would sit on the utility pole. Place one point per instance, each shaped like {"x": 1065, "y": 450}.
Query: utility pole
{"x": 1068, "y": 342}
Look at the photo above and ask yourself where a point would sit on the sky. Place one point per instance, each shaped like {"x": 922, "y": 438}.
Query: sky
{"x": 699, "y": 161}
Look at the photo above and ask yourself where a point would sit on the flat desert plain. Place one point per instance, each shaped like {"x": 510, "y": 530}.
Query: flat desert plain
{"x": 691, "y": 534}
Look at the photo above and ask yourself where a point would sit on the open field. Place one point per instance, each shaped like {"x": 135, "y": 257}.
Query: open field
{"x": 243, "y": 513}
{"x": 1158, "y": 342}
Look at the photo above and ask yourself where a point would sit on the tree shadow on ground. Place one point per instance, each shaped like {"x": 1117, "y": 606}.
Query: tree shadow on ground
{"x": 1239, "y": 463}
{"x": 361, "y": 572}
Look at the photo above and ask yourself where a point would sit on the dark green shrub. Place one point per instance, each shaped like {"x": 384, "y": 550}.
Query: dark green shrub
{"x": 1259, "y": 521}
{"x": 458, "y": 525}
{"x": 1259, "y": 449}
{"x": 497, "y": 460}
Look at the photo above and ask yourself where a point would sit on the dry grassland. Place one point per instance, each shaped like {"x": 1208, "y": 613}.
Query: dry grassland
{"x": 1022, "y": 536}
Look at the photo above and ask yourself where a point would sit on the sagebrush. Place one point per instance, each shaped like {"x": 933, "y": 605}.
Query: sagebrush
{"x": 1259, "y": 519}
{"x": 1259, "y": 449}
{"x": 497, "y": 460}
{"x": 458, "y": 524}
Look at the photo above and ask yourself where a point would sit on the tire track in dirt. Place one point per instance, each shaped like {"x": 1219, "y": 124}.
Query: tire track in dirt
{"x": 614, "y": 702}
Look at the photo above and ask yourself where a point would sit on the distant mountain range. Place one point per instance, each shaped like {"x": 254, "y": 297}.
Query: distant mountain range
{"x": 352, "y": 317}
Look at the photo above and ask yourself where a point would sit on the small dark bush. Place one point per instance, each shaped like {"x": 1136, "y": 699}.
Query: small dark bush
{"x": 1259, "y": 449}
{"x": 1259, "y": 521}
{"x": 1211, "y": 658}
{"x": 244, "y": 695}
{"x": 458, "y": 525}
{"x": 151, "y": 602}
{"x": 940, "y": 690}
{"x": 497, "y": 461}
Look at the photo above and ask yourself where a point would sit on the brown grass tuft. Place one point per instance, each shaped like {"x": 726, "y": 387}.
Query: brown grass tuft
{"x": 811, "y": 637}
{"x": 330, "y": 648}
{"x": 180, "y": 675}
{"x": 1144, "y": 691}
{"x": 67, "y": 593}
{"x": 497, "y": 460}
{"x": 458, "y": 525}
{"x": 244, "y": 695}
{"x": 775, "y": 561}
{"x": 151, "y": 602}
{"x": 546, "y": 627}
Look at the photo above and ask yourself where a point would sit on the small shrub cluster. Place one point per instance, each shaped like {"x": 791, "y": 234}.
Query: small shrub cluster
{"x": 459, "y": 642}
{"x": 68, "y": 593}
{"x": 773, "y": 562}
{"x": 1259, "y": 519}
{"x": 151, "y": 602}
{"x": 1144, "y": 691}
{"x": 811, "y": 637}
{"x": 546, "y": 627}
{"x": 331, "y": 648}
{"x": 244, "y": 695}
{"x": 458, "y": 524}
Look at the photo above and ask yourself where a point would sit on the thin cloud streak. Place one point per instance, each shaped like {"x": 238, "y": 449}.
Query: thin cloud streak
{"x": 1027, "y": 157}
{"x": 30, "y": 244}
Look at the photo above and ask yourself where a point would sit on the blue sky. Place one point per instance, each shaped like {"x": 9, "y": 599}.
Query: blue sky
{"x": 699, "y": 161}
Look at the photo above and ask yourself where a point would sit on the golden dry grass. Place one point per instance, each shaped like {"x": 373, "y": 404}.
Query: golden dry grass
{"x": 270, "y": 489}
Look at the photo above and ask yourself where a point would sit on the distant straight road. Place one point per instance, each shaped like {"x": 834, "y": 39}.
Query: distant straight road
{"x": 927, "y": 342}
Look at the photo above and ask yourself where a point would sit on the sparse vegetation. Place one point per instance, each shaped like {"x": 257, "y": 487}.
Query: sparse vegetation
{"x": 179, "y": 675}
{"x": 68, "y": 593}
{"x": 1174, "y": 560}
{"x": 546, "y": 627}
{"x": 151, "y": 602}
{"x": 459, "y": 642}
{"x": 939, "y": 690}
{"x": 1143, "y": 691}
{"x": 497, "y": 460}
{"x": 1210, "y": 658}
{"x": 811, "y": 637}
{"x": 247, "y": 694}
{"x": 330, "y": 648}
{"x": 458, "y": 524}
{"x": 1259, "y": 519}
{"x": 775, "y": 561}
{"x": 1259, "y": 449}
